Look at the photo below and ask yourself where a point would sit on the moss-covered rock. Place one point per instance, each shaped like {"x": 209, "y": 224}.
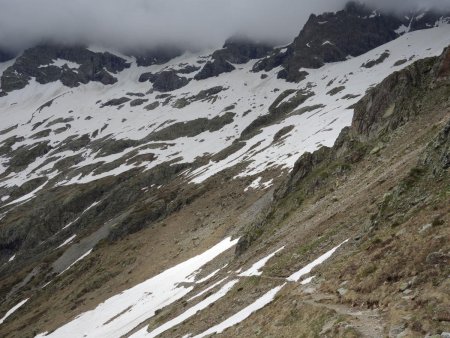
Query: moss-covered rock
{"x": 373, "y": 63}
{"x": 278, "y": 110}
{"x": 138, "y": 102}
{"x": 152, "y": 106}
{"x": 192, "y": 128}
{"x": 116, "y": 102}
{"x": 165, "y": 81}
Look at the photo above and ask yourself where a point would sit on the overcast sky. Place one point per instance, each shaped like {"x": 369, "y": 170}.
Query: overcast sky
{"x": 147, "y": 23}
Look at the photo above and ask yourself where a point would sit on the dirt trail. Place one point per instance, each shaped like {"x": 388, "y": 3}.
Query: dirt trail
{"x": 367, "y": 322}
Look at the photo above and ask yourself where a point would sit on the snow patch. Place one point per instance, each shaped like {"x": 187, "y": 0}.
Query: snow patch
{"x": 188, "y": 313}
{"x": 77, "y": 260}
{"x": 255, "y": 269}
{"x": 207, "y": 289}
{"x": 243, "y": 314}
{"x": 122, "y": 313}
{"x": 307, "y": 269}
{"x": 307, "y": 280}
{"x": 67, "y": 241}
{"x": 403, "y": 29}
{"x": 257, "y": 184}
{"x": 12, "y": 310}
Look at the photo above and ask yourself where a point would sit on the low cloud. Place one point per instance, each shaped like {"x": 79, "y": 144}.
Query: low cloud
{"x": 133, "y": 24}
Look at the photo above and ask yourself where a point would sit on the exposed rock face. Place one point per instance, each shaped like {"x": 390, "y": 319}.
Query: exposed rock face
{"x": 156, "y": 56}
{"x": 277, "y": 111}
{"x": 38, "y": 63}
{"x": 188, "y": 69}
{"x": 214, "y": 68}
{"x": 138, "y": 102}
{"x": 235, "y": 50}
{"x": 425, "y": 20}
{"x": 192, "y": 128}
{"x": 241, "y": 50}
{"x": 204, "y": 95}
{"x": 391, "y": 104}
{"x": 443, "y": 68}
{"x": 165, "y": 81}
{"x": 333, "y": 37}
{"x": 437, "y": 156}
{"x": 115, "y": 102}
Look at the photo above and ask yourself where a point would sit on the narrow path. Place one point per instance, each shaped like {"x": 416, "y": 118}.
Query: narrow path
{"x": 368, "y": 323}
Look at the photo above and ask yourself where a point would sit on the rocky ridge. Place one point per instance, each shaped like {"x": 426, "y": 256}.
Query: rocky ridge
{"x": 333, "y": 37}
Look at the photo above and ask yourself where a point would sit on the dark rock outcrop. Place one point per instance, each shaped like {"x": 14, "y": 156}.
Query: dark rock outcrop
{"x": 165, "y": 81}
{"x": 192, "y": 128}
{"x": 241, "y": 50}
{"x": 138, "y": 102}
{"x": 418, "y": 21}
{"x": 236, "y": 50}
{"x": 416, "y": 90}
{"x": 332, "y": 37}
{"x": 115, "y": 102}
{"x": 277, "y": 111}
{"x": 187, "y": 69}
{"x": 214, "y": 68}
{"x": 37, "y": 63}
{"x": 152, "y": 106}
{"x": 386, "y": 107}
{"x": 156, "y": 56}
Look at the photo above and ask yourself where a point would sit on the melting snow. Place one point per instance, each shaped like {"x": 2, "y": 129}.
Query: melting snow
{"x": 207, "y": 289}
{"x": 26, "y": 197}
{"x": 123, "y": 312}
{"x": 244, "y": 313}
{"x": 256, "y": 184}
{"x": 12, "y": 310}
{"x": 307, "y": 280}
{"x": 403, "y": 29}
{"x": 67, "y": 241}
{"x": 84, "y": 211}
{"x": 211, "y": 275}
{"x": 307, "y": 269}
{"x": 187, "y": 314}
{"x": 77, "y": 260}
{"x": 255, "y": 269}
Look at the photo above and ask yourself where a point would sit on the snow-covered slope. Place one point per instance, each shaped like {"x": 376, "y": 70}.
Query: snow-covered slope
{"x": 121, "y": 314}
{"x": 53, "y": 113}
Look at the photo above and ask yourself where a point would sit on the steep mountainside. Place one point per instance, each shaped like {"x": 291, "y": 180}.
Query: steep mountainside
{"x": 332, "y": 37}
{"x": 177, "y": 194}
